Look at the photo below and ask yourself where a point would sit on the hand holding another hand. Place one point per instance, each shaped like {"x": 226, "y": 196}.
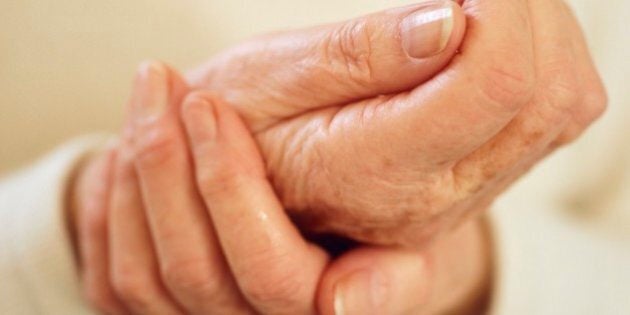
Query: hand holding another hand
{"x": 154, "y": 243}
{"x": 378, "y": 129}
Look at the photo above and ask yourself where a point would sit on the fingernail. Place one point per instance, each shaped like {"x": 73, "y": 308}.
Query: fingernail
{"x": 361, "y": 292}
{"x": 426, "y": 32}
{"x": 199, "y": 119}
{"x": 153, "y": 91}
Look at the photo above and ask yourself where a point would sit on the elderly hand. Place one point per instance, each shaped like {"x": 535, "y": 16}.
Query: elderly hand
{"x": 151, "y": 242}
{"x": 369, "y": 132}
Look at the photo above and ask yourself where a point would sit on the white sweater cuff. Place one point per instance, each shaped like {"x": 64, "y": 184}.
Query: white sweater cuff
{"x": 37, "y": 266}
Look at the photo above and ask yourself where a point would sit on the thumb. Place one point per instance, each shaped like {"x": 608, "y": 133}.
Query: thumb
{"x": 450, "y": 276}
{"x": 372, "y": 280}
{"x": 290, "y": 73}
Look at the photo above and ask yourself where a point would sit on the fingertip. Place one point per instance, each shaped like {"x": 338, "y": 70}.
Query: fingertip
{"x": 196, "y": 100}
{"x": 179, "y": 88}
{"x": 433, "y": 30}
{"x": 150, "y": 66}
{"x": 200, "y": 119}
{"x": 154, "y": 77}
{"x": 155, "y": 68}
{"x": 151, "y": 92}
{"x": 212, "y": 123}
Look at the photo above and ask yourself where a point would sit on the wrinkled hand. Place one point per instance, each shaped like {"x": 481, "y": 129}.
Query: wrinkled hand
{"x": 369, "y": 132}
{"x": 150, "y": 242}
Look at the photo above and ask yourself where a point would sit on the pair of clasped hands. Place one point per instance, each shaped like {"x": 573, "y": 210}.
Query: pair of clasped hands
{"x": 394, "y": 130}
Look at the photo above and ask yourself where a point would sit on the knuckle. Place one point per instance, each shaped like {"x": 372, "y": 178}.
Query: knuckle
{"x": 571, "y": 132}
{"x": 559, "y": 81}
{"x": 595, "y": 103}
{"x": 566, "y": 92}
{"x": 507, "y": 83}
{"x": 194, "y": 278}
{"x": 154, "y": 146}
{"x": 349, "y": 52}
{"x": 561, "y": 97}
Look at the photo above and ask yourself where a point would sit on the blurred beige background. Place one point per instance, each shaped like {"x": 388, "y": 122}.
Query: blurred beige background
{"x": 66, "y": 68}
{"x": 66, "y": 65}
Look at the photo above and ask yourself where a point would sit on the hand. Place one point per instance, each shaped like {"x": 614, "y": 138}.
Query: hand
{"x": 365, "y": 140}
{"x": 150, "y": 242}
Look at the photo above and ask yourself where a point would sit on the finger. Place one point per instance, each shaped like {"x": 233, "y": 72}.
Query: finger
{"x": 594, "y": 98}
{"x": 382, "y": 53}
{"x": 95, "y": 186}
{"x": 191, "y": 263}
{"x": 542, "y": 120}
{"x": 134, "y": 269}
{"x": 449, "y": 277}
{"x": 467, "y": 103}
{"x": 276, "y": 269}
{"x": 372, "y": 280}
{"x": 438, "y": 123}
{"x": 463, "y": 107}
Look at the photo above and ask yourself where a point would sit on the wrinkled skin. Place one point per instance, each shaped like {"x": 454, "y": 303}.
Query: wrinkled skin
{"x": 150, "y": 242}
{"x": 363, "y": 141}
{"x": 388, "y": 169}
